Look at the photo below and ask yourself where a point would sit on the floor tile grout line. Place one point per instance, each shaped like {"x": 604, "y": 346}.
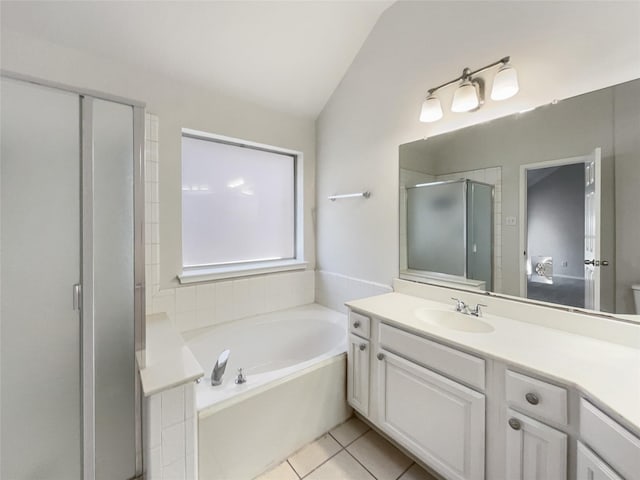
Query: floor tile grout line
{"x": 294, "y": 470}
{"x": 325, "y": 461}
{"x": 361, "y": 464}
{"x": 349, "y": 444}
{"x": 405, "y": 470}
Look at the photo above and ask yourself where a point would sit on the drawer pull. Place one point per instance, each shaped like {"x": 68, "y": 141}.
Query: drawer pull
{"x": 380, "y": 356}
{"x": 363, "y": 346}
{"x": 356, "y": 324}
{"x": 515, "y": 423}
{"x": 532, "y": 398}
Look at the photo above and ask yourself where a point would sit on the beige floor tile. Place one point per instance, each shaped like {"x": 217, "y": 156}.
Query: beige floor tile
{"x": 381, "y": 458}
{"x": 314, "y": 454}
{"x": 416, "y": 472}
{"x": 281, "y": 472}
{"x": 340, "y": 467}
{"x": 349, "y": 431}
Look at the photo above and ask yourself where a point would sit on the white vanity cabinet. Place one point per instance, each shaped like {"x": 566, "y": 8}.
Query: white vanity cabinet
{"x": 359, "y": 359}
{"x": 534, "y": 450}
{"x": 437, "y": 419}
{"x": 592, "y": 467}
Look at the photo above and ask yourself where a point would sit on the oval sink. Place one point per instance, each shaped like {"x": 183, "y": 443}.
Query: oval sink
{"x": 453, "y": 320}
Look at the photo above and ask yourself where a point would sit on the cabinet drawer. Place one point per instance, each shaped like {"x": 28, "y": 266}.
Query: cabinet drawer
{"x": 451, "y": 362}
{"x": 537, "y": 397}
{"x": 616, "y": 445}
{"x": 359, "y": 324}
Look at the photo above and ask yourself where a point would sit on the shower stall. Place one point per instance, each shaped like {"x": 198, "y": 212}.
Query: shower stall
{"x": 71, "y": 282}
{"x": 450, "y": 230}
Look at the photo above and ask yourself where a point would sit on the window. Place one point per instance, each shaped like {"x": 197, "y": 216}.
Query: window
{"x": 240, "y": 205}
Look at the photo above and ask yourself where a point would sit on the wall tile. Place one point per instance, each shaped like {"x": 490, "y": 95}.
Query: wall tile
{"x": 173, "y": 444}
{"x": 224, "y": 302}
{"x": 176, "y": 470}
{"x": 153, "y": 463}
{"x": 241, "y": 298}
{"x": 206, "y": 296}
{"x": 172, "y": 406}
{"x": 186, "y": 299}
{"x": 153, "y": 421}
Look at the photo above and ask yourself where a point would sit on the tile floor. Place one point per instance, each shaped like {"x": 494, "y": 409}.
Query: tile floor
{"x": 351, "y": 451}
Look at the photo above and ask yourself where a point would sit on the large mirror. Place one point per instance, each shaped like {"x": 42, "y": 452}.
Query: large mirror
{"x": 543, "y": 204}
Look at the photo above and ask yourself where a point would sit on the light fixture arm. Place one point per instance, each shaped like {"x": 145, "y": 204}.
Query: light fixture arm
{"x": 467, "y": 74}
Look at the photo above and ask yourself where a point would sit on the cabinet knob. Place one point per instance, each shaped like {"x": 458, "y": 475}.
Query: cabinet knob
{"x": 380, "y": 356}
{"x": 515, "y": 423}
{"x": 532, "y": 398}
{"x": 363, "y": 346}
{"x": 356, "y": 324}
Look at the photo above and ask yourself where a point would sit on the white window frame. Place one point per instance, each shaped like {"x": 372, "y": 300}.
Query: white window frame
{"x": 242, "y": 269}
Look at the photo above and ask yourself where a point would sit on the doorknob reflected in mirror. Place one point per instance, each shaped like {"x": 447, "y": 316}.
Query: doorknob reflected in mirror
{"x": 597, "y": 263}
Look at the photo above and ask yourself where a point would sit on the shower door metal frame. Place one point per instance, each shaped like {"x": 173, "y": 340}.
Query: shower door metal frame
{"x": 87, "y": 360}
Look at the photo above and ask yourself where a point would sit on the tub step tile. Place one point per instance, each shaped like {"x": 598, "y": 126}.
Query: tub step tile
{"x": 281, "y": 472}
{"x": 381, "y": 458}
{"x": 342, "y": 466}
{"x": 314, "y": 454}
{"x": 349, "y": 431}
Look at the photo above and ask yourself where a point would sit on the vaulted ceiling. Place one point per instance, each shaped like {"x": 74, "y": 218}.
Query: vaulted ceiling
{"x": 287, "y": 55}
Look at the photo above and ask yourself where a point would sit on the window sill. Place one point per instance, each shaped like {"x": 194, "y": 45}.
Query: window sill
{"x": 206, "y": 274}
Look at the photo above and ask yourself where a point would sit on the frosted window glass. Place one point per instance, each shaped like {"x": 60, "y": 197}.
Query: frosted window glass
{"x": 238, "y": 204}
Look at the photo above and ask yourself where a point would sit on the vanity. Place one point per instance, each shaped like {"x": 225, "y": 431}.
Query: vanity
{"x": 504, "y": 395}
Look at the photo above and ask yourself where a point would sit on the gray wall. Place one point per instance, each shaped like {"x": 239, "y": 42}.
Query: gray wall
{"x": 558, "y": 232}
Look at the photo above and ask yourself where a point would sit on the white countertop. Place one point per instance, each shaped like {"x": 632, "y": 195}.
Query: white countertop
{"x": 168, "y": 361}
{"x": 607, "y": 372}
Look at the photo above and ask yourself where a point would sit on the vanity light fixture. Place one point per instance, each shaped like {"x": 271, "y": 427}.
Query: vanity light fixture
{"x": 469, "y": 96}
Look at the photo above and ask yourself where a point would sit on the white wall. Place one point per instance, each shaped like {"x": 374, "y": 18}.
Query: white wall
{"x": 560, "y": 49}
{"x": 178, "y": 105}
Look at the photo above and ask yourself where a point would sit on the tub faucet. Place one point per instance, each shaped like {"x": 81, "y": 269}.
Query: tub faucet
{"x": 218, "y": 369}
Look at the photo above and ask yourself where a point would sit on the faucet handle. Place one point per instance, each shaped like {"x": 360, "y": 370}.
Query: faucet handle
{"x": 460, "y": 305}
{"x": 476, "y": 311}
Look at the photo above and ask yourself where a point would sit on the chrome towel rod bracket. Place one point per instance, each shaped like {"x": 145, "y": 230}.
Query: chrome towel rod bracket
{"x": 333, "y": 198}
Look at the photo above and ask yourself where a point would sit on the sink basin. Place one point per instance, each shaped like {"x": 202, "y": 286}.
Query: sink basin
{"x": 453, "y": 320}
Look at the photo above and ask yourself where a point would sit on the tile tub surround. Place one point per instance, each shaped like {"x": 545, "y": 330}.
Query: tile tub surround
{"x": 351, "y": 451}
{"x": 170, "y": 434}
{"x": 212, "y": 303}
{"x": 333, "y": 289}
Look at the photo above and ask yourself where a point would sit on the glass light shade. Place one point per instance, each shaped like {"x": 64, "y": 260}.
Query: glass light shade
{"x": 465, "y": 98}
{"x": 431, "y": 109}
{"x": 505, "y": 85}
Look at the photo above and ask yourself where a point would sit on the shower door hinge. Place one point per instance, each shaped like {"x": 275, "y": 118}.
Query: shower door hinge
{"x": 77, "y": 296}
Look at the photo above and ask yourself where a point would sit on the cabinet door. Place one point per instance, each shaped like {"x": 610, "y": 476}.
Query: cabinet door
{"x": 437, "y": 419}
{"x": 358, "y": 374}
{"x": 534, "y": 451}
{"x": 591, "y": 467}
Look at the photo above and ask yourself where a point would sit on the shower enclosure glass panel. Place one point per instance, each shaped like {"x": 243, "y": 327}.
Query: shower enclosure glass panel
{"x": 480, "y": 232}
{"x": 436, "y": 228}
{"x": 450, "y": 230}
{"x": 113, "y": 285}
{"x": 40, "y": 260}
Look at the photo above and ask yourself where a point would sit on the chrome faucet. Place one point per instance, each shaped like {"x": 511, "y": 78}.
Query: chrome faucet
{"x": 218, "y": 369}
{"x": 461, "y": 306}
{"x": 466, "y": 309}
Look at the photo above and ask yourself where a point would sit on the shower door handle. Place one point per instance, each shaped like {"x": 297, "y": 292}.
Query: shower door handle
{"x": 77, "y": 296}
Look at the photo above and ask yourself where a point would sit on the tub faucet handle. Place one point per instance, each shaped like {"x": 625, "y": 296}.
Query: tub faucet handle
{"x": 241, "y": 378}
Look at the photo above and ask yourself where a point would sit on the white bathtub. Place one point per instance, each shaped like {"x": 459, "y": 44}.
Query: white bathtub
{"x": 295, "y": 365}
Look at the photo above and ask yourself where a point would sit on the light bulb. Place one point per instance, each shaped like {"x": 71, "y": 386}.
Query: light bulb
{"x": 431, "y": 109}
{"x": 505, "y": 85}
{"x": 465, "y": 98}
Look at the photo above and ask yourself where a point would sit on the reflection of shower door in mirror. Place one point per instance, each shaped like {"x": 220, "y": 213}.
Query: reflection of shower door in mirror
{"x": 560, "y": 231}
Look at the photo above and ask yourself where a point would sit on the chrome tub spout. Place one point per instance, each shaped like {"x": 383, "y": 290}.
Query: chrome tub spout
{"x": 219, "y": 367}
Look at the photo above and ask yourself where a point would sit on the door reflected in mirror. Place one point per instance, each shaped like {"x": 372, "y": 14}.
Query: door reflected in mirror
{"x": 541, "y": 205}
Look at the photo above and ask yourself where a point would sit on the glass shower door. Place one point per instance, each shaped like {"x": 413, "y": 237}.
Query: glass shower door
{"x": 40, "y": 264}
